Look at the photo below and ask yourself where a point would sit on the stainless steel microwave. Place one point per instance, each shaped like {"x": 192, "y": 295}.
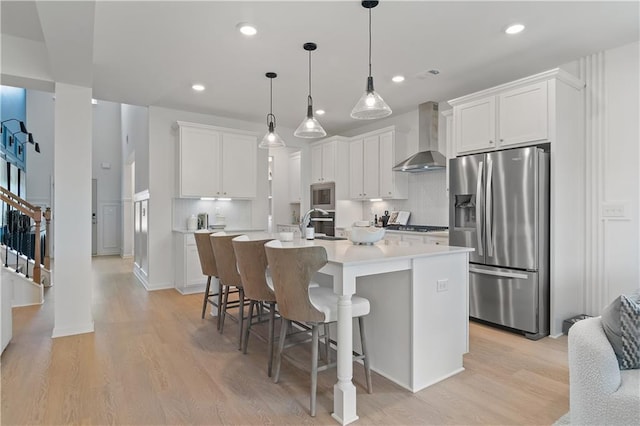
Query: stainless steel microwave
{"x": 323, "y": 196}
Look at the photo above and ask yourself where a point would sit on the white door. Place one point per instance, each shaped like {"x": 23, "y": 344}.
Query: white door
{"x": 199, "y": 162}
{"x": 239, "y": 166}
{"x": 355, "y": 169}
{"x": 371, "y": 168}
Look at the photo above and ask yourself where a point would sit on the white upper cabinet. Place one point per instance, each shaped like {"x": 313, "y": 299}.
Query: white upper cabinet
{"x": 216, "y": 162}
{"x": 371, "y": 159}
{"x": 476, "y": 125}
{"x": 523, "y": 115}
{"x": 238, "y": 168}
{"x": 364, "y": 168}
{"x": 518, "y": 113}
{"x": 295, "y": 195}
{"x": 197, "y": 175}
{"x": 323, "y": 162}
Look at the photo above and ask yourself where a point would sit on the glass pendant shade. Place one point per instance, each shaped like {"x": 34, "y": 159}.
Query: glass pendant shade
{"x": 271, "y": 139}
{"x": 371, "y": 105}
{"x": 310, "y": 127}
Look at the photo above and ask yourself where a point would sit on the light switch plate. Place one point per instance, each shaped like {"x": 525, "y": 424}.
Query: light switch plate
{"x": 442, "y": 285}
{"x": 619, "y": 210}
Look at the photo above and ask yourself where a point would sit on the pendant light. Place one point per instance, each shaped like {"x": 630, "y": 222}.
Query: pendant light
{"x": 371, "y": 105}
{"x": 310, "y": 127}
{"x": 271, "y": 139}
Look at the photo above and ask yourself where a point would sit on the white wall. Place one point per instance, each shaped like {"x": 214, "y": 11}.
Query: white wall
{"x": 621, "y": 172}
{"x": 135, "y": 142}
{"x": 107, "y": 170}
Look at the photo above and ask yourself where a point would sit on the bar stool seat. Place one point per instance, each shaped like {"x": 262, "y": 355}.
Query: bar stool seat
{"x": 326, "y": 301}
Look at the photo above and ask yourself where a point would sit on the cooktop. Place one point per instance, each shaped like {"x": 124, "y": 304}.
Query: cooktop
{"x": 417, "y": 228}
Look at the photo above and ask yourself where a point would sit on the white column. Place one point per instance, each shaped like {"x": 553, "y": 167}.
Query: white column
{"x": 72, "y": 195}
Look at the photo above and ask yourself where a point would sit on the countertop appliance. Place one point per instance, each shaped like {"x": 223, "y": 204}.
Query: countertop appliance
{"x": 499, "y": 205}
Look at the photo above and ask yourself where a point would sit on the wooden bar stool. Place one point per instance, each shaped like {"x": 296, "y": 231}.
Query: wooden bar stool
{"x": 208, "y": 266}
{"x": 292, "y": 269}
{"x": 229, "y": 277}
{"x": 252, "y": 266}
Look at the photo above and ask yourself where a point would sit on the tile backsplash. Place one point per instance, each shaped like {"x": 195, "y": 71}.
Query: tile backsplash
{"x": 237, "y": 213}
{"x": 428, "y": 200}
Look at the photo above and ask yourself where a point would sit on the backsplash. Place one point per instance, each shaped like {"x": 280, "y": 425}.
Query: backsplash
{"x": 237, "y": 213}
{"x": 428, "y": 200}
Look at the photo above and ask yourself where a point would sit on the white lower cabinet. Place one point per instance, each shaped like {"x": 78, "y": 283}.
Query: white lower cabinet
{"x": 439, "y": 238}
{"x": 188, "y": 274}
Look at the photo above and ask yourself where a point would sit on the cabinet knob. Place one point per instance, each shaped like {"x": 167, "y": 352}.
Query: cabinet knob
{"x": 389, "y": 192}
{"x": 501, "y": 140}
{"x": 364, "y": 195}
{"x": 490, "y": 141}
{"x": 225, "y": 193}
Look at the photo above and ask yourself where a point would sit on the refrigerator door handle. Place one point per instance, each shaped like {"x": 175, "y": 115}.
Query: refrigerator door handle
{"x": 479, "y": 209}
{"x": 488, "y": 215}
{"x": 498, "y": 274}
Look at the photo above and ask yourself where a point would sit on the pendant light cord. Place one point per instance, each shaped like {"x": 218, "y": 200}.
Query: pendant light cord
{"x": 309, "y": 99}
{"x": 271, "y": 96}
{"x": 369, "y": 42}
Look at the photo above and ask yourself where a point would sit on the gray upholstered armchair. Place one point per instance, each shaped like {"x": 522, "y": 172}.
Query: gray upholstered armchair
{"x": 600, "y": 393}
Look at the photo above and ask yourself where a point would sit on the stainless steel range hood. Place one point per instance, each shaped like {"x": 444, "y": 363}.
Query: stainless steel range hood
{"x": 428, "y": 157}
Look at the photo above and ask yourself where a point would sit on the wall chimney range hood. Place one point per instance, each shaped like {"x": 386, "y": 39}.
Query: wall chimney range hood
{"x": 428, "y": 157}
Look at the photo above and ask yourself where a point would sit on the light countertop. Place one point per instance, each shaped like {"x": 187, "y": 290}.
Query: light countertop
{"x": 228, "y": 230}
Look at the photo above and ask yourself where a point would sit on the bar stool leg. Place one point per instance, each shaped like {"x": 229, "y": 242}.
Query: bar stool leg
{"x": 314, "y": 367}
{"x": 283, "y": 336}
{"x": 363, "y": 342}
{"x": 220, "y": 296}
{"x": 224, "y": 308}
{"x": 240, "y": 315}
{"x": 327, "y": 343}
{"x": 272, "y": 321}
{"x": 206, "y": 296}
{"x": 248, "y": 327}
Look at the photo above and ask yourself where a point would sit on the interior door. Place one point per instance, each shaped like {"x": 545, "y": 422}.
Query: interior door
{"x": 466, "y": 208}
{"x": 512, "y": 208}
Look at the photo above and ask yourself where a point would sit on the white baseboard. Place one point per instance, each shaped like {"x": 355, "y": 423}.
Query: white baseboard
{"x": 141, "y": 276}
{"x": 192, "y": 289}
{"x": 72, "y": 330}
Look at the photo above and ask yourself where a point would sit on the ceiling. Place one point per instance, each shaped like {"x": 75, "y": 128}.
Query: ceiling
{"x": 151, "y": 52}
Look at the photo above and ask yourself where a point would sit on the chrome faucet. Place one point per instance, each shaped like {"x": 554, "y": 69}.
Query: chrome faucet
{"x": 304, "y": 222}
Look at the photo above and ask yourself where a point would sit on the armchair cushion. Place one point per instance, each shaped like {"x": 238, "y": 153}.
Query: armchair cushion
{"x": 611, "y": 323}
{"x": 630, "y": 327}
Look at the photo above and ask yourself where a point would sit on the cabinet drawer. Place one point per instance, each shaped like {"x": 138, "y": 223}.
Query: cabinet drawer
{"x": 189, "y": 240}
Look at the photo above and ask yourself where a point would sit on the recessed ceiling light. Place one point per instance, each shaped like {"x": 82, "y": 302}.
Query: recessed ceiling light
{"x": 398, "y": 79}
{"x": 94, "y": 101}
{"x": 198, "y": 87}
{"x": 434, "y": 72}
{"x": 514, "y": 29}
{"x": 320, "y": 111}
{"x": 246, "y": 29}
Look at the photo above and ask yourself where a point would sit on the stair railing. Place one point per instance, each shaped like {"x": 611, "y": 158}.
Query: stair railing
{"x": 35, "y": 213}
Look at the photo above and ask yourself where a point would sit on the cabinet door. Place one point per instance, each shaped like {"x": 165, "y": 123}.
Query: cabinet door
{"x": 193, "y": 271}
{"x": 475, "y": 125}
{"x": 387, "y": 159}
{"x": 239, "y": 166}
{"x": 523, "y": 115}
{"x": 413, "y": 238}
{"x": 329, "y": 152}
{"x": 199, "y": 162}
{"x": 316, "y": 163}
{"x": 356, "y": 169}
{"x": 294, "y": 178}
{"x": 436, "y": 240}
{"x": 371, "y": 168}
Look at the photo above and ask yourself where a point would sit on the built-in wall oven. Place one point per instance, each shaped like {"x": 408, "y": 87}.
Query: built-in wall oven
{"x": 323, "y": 196}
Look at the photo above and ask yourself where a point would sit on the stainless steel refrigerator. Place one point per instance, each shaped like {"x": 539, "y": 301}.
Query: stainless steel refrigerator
{"x": 499, "y": 205}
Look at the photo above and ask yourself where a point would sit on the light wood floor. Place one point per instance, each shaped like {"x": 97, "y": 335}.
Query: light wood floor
{"x": 152, "y": 360}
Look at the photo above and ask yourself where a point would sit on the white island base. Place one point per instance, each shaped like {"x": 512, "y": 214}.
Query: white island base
{"x": 417, "y": 330}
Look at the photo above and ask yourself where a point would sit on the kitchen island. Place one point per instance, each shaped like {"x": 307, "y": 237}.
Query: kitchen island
{"x": 417, "y": 330}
